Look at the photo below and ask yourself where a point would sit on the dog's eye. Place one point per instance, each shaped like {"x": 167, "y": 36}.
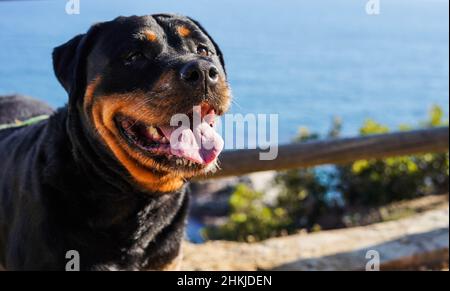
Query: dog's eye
{"x": 133, "y": 57}
{"x": 203, "y": 50}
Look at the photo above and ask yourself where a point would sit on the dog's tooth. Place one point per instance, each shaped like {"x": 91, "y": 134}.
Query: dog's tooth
{"x": 153, "y": 132}
{"x": 164, "y": 140}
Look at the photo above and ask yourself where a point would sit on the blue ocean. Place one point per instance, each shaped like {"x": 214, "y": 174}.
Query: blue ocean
{"x": 308, "y": 61}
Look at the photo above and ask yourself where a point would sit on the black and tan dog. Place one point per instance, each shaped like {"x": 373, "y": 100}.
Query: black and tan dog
{"x": 100, "y": 176}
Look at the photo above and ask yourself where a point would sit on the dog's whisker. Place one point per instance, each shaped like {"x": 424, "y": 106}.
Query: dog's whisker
{"x": 236, "y": 103}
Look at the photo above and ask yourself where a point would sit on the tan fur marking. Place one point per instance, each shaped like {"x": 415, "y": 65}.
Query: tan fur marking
{"x": 184, "y": 31}
{"x": 139, "y": 166}
{"x": 90, "y": 90}
{"x": 101, "y": 111}
{"x": 104, "y": 109}
{"x": 150, "y": 35}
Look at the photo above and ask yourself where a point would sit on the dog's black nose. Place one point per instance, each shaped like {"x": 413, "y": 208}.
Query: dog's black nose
{"x": 198, "y": 72}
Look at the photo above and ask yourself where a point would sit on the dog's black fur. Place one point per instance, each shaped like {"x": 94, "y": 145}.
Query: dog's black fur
{"x": 60, "y": 190}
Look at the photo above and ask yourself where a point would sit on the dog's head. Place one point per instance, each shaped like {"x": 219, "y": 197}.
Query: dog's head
{"x": 128, "y": 77}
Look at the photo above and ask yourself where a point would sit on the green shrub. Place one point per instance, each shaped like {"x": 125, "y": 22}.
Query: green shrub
{"x": 250, "y": 218}
{"x": 302, "y": 193}
{"x": 300, "y": 202}
{"x": 378, "y": 182}
{"x": 303, "y": 198}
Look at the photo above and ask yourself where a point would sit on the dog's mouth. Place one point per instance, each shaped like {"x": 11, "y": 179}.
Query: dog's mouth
{"x": 186, "y": 147}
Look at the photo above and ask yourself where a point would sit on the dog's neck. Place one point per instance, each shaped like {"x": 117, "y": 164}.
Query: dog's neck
{"x": 95, "y": 199}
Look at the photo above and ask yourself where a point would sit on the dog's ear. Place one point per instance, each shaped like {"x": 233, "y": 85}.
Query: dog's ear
{"x": 64, "y": 58}
{"x": 219, "y": 52}
{"x": 69, "y": 60}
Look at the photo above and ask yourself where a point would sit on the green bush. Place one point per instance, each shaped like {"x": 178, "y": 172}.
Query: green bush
{"x": 378, "y": 182}
{"x": 303, "y": 198}
{"x": 250, "y": 218}
{"x": 300, "y": 202}
{"x": 302, "y": 193}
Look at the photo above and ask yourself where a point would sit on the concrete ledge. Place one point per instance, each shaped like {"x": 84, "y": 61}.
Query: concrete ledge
{"x": 417, "y": 240}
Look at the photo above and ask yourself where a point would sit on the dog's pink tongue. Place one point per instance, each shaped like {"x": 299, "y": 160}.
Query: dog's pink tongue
{"x": 201, "y": 145}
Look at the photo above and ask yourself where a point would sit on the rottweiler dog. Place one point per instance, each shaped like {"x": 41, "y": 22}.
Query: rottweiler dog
{"x": 101, "y": 176}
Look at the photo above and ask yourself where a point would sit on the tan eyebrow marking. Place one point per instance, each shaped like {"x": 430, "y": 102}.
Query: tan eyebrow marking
{"x": 184, "y": 31}
{"x": 150, "y": 35}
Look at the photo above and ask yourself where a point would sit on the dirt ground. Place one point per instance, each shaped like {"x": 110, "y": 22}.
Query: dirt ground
{"x": 417, "y": 242}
